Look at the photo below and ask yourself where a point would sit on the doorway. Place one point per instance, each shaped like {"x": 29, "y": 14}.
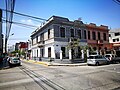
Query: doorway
{"x": 49, "y": 52}
{"x": 63, "y": 51}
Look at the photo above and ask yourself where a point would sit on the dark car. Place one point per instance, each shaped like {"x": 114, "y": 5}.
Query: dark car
{"x": 113, "y": 58}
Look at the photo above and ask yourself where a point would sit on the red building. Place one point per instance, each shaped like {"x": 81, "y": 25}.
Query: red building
{"x": 98, "y": 36}
{"x": 21, "y": 46}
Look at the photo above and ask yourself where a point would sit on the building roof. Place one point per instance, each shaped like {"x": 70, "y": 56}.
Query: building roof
{"x": 58, "y": 19}
{"x": 94, "y": 26}
{"x": 115, "y": 30}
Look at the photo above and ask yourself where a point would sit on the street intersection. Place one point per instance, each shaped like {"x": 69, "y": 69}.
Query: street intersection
{"x": 32, "y": 76}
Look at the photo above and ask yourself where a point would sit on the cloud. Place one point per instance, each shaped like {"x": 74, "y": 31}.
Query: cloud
{"x": 29, "y": 21}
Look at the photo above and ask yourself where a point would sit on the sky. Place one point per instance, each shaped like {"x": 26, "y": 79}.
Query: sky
{"x": 100, "y": 12}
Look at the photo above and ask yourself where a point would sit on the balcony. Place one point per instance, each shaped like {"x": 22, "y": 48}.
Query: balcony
{"x": 41, "y": 43}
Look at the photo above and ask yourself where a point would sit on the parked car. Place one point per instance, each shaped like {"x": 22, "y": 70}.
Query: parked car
{"x": 112, "y": 58}
{"x": 97, "y": 60}
{"x": 14, "y": 61}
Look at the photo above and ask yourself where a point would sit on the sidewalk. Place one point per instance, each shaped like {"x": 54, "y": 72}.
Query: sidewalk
{"x": 53, "y": 63}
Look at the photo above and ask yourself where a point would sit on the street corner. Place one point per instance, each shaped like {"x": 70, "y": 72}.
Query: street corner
{"x": 37, "y": 62}
{"x": 71, "y": 65}
{"x": 54, "y": 64}
{"x": 31, "y": 61}
{"x": 42, "y": 63}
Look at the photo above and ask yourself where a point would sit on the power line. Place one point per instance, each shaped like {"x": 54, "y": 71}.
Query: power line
{"x": 25, "y": 15}
{"x": 22, "y": 24}
{"x": 117, "y": 1}
{"x": 9, "y": 15}
{"x": 10, "y": 4}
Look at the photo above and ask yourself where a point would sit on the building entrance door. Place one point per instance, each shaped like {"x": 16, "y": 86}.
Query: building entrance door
{"x": 49, "y": 52}
{"x": 63, "y": 51}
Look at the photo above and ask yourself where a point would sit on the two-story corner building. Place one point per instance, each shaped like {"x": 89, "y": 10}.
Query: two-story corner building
{"x": 98, "y": 36}
{"x": 53, "y": 36}
{"x": 114, "y": 39}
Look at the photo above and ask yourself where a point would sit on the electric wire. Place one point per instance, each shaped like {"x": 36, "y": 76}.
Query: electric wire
{"x": 22, "y": 24}
{"x": 10, "y": 4}
{"x": 11, "y": 15}
{"x": 117, "y": 1}
{"x": 26, "y": 15}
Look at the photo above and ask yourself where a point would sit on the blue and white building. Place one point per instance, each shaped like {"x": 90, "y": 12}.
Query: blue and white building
{"x": 53, "y": 36}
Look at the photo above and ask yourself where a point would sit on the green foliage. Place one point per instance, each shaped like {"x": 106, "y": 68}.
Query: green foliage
{"x": 19, "y": 52}
{"x": 73, "y": 44}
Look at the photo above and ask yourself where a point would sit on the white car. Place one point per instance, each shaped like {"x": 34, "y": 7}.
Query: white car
{"x": 14, "y": 61}
{"x": 97, "y": 60}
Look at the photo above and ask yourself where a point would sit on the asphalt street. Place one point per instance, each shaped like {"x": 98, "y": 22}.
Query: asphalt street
{"x": 32, "y": 76}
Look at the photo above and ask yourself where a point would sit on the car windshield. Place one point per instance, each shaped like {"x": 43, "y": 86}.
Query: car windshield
{"x": 107, "y": 56}
{"x": 16, "y": 59}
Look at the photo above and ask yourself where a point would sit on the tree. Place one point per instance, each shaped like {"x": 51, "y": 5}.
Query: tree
{"x": 73, "y": 45}
{"x": 14, "y": 53}
{"x": 85, "y": 48}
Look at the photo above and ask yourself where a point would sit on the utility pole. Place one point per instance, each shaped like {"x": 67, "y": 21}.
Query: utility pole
{"x": 9, "y": 16}
{"x": 1, "y": 35}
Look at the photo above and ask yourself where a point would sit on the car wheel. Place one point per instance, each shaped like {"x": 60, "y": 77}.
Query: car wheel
{"x": 108, "y": 63}
{"x": 19, "y": 64}
{"x": 88, "y": 64}
{"x": 97, "y": 63}
{"x": 11, "y": 65}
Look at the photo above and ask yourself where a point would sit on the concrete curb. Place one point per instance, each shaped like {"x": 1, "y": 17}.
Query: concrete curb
{"x": 36, "y": 62}
{"x": 81, "y": 64}
{"x": 54, "y": 64}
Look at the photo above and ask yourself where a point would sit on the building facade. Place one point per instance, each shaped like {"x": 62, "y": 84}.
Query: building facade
{"x": 23, "y": 48}
{"x": 114, "y": 39}
{"x": 10, "y": 48}
{"x": 98, "y": 36}
{"x": 54, "y": 35}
